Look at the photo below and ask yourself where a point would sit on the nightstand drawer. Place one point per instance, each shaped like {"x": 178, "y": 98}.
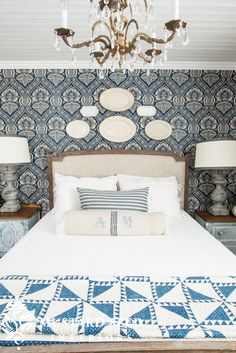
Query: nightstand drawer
{"x": 230, "y": 245}
{"x": 224, "y": 233}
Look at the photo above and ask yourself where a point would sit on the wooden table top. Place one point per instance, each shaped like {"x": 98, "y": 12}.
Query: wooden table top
{"x": 207, "y": 217}
{"x": 26, "y": 212}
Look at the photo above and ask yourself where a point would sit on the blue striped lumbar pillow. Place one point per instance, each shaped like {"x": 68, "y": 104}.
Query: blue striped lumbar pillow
{"x": 131, "y": 200}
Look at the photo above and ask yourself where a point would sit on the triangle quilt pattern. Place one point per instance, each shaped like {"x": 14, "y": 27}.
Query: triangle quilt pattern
{"x": 162, "y": 290}
{"x": 66, "y": 293}
{"x": 4, "y": 292}
{"x": 129, "y": 307}
{"x": 133, "y": 295}
{"x": 69, "y": 314}
{"x": 227, "y": 290}
{"x": 34, "y": 287}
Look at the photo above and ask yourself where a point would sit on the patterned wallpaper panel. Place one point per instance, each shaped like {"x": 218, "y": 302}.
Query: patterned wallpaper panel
{"x": 200, "y": 105}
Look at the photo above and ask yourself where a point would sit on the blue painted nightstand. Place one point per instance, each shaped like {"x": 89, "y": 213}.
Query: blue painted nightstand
{"x": 223, "y": 228}
{"x": 13, "y": 226}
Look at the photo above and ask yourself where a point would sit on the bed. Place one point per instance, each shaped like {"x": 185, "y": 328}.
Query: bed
{"x": 187, "y": 253}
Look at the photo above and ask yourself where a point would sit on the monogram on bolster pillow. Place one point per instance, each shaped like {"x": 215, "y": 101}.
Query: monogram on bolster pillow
{"x": 113, "y": 223}
{"x": 130, "y": 200}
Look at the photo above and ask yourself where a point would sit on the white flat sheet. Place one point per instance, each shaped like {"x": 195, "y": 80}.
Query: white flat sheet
{"x": 187, "y": 250}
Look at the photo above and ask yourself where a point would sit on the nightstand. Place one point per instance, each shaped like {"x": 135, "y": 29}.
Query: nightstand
{"x": 223, "y": 228}
{"x": 13, "y": 226}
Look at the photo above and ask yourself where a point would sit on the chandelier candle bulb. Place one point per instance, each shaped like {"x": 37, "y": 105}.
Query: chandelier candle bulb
{"x": 176, "y": 9}
{"x": 64, "y": 14}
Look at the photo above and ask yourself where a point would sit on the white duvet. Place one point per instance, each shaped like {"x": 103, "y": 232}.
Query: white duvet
{"x": 187, "y": 249}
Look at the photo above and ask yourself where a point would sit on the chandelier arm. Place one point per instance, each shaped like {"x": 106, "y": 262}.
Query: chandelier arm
{"x": 145, "y": 57}
{"x": 103, "y": 39}
{"x": 145, "y": 37}
{"x": 162, "y": 41}
{"x": 106, "y": 56}
{"x": 112, "y": 23}
{"x": 129, "y": 24}
{"x": 104, "y": 23}
{"x": 113, "y": 51}
{"x": 76, "y": 46}
{"x": 170, "y": 37}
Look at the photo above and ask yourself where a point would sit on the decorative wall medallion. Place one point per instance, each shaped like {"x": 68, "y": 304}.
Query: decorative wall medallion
{"x": 89, "y": 110}
{"x": 158, "y": 130}
{"x": 117, "y": 129}
{"x": 146, "y": 110}
{"x": 117, "y": 99}
{"x": 77, "y": 129}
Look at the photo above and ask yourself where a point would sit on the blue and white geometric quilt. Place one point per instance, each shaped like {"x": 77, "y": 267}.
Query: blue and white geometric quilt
{"x": 118, "y": 307}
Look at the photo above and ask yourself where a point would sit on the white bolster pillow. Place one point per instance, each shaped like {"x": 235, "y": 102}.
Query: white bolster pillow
{"x": 114, "y": 223}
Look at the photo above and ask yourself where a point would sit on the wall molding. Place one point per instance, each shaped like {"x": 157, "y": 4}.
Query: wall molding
{"x": 86, "y": 65}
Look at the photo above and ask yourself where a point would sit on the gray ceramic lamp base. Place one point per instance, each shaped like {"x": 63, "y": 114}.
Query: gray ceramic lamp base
{"x": 218, "y": 196}
{"x": 234, "y": 210}
{"x": 216, "y": 210}
{"x": 9, "y": 193}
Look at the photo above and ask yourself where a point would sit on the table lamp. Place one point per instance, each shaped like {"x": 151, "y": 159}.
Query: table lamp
{"x": 14, "y": 150}
{"x": 218, "y": 156}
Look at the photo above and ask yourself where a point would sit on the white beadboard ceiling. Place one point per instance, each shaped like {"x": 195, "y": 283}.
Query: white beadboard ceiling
{"x": 26, "y": 33}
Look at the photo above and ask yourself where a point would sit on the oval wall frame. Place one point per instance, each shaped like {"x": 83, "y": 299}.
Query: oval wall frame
{"x": 158, "y": 130}
{"x": 117, "y": 129}
{"x": 78, "y": 129}
{"x": 116, "y": 99}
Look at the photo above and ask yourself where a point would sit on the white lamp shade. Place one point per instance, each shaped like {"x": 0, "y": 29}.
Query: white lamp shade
{"x": 219, "y": 154}
{"x": 14, "y": 150}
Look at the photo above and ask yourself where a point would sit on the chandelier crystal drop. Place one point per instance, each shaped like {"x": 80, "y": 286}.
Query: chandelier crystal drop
{"x": 124, "y": 34}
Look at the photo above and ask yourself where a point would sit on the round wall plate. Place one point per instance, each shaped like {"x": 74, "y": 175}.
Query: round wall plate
{"x": 117, "y": 99}
{"x": 78, "y": 129}
{"x": 117, "y": 129}
{"x": 158, "y": 130}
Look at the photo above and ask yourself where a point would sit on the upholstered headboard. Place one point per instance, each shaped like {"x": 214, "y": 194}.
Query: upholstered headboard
{"x": 111, "y": 162}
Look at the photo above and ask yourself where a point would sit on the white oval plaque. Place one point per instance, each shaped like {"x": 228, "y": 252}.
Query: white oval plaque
{"x": 117, "y": 129}
{"x": 89, "y": 110}
{"x": 146, "y": 110}
{"x": 78, "y": 129}
{"x": 117, "y": 99}
{"x": 158, "y": 130}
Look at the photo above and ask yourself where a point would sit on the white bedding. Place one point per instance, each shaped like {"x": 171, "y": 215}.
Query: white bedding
{"x": 187, "y": 250}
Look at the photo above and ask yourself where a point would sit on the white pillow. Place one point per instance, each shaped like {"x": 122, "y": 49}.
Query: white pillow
{"x": 163, "y": 192}
{"x": 65, "y": 192}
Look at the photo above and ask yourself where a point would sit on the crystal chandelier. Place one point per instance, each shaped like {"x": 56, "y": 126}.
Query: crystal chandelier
{"x": 124, "y": 34}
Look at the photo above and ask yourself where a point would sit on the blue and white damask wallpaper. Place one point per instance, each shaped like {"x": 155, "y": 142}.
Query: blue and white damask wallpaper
{"x": 200, "y": 105}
